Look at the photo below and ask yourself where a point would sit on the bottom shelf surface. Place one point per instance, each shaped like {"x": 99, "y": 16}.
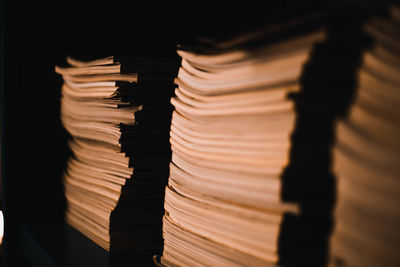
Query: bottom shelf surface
{"x": 59, "y": 244}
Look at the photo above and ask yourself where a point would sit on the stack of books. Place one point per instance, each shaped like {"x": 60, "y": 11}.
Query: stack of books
{"x": 367, "y": 156}
{"x": 231, "y": 139}
{"x": 118, "y": 112}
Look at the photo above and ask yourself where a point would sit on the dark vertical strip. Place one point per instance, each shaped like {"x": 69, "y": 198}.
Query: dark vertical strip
{"x": 329, "y": 82}
{"x": 2, "y": 54}
{"x": 146, "y": 143}
{"x": 10, "y": 136}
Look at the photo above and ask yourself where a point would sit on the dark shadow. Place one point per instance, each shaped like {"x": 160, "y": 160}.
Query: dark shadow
{"x": 328, "y": 87}
{"x": 137, "y": 219}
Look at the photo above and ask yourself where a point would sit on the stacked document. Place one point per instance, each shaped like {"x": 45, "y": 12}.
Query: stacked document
{"x": 118, "y": 112}
{"x": 231, "y": 137}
